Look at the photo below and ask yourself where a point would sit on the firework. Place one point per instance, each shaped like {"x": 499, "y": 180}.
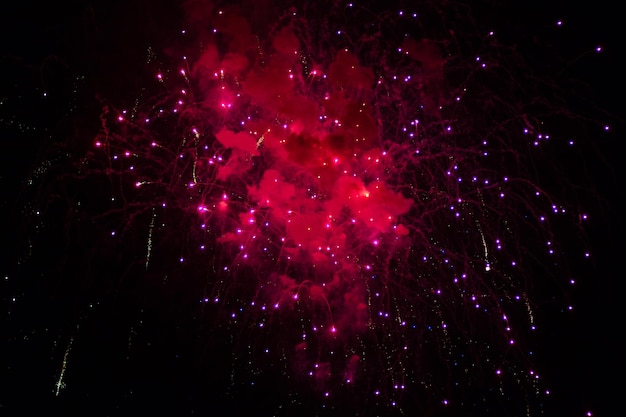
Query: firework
{"x": 343, "y": 207}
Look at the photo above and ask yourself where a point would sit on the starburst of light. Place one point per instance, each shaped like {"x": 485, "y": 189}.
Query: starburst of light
{"x": 355, "y": 198}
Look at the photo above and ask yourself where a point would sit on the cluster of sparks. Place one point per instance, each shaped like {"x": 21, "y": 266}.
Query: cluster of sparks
{"x": 356, "y": 190}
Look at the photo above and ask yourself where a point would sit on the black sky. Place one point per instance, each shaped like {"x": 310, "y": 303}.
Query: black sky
{"x": 45, "y": 46}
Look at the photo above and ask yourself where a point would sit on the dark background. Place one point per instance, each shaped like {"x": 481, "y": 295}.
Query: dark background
{"x": 45, "y": 46}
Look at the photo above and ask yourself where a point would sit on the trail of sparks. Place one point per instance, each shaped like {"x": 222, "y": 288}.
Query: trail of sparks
{"x": 60, "y": 384}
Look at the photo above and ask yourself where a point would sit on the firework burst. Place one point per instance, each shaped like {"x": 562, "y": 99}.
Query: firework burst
{"x": 349, "y": 206}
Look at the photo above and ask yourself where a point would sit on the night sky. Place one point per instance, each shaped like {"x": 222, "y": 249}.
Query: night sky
{"x": 248, "y": 217}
